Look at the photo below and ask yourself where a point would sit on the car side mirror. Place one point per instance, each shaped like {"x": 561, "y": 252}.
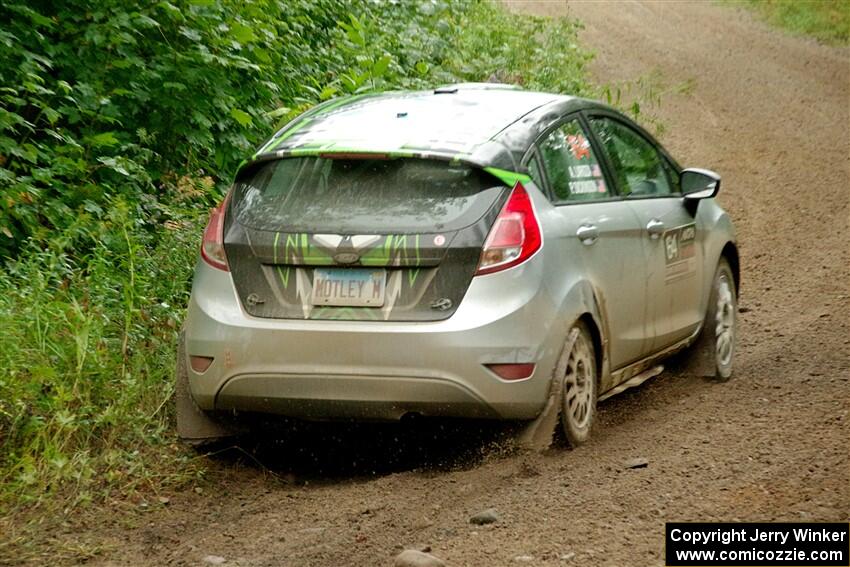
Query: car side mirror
{"x": 699, "y": 183}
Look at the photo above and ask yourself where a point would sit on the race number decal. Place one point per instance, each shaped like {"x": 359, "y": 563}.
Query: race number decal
{"x": 679, "y": 252}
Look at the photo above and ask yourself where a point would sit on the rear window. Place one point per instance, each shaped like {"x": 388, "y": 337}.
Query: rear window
{"x": 313, "y": 194}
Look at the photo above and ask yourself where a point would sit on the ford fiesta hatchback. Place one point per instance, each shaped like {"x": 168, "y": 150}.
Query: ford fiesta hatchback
{"x": 474, "y": 251}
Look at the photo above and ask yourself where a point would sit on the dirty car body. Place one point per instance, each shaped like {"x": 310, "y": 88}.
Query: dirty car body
{"x": 428, "y": 252}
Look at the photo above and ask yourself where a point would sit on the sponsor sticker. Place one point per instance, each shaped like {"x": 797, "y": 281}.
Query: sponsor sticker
{"x": 579, "y": 146}
{"x": 679, "y": 252}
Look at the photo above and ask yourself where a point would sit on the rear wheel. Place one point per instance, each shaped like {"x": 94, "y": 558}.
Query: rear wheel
{"x": 578, "y": 407}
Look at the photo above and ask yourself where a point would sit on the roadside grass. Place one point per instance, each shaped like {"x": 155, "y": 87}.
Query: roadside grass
{"x": 826, "y": 20}
{"x": 90, "y": 307}
{"x": 88, "y": 354}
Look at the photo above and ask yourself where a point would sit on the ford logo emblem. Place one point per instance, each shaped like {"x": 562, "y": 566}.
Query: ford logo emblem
{"x": 346, "y": 258}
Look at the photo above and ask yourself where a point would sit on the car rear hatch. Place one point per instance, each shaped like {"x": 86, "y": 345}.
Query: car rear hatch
{"x": 358, "y": 237}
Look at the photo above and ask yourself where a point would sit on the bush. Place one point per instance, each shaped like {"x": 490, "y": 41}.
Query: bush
{"x": 120, "y": 123}
{"x": 106, "y": 99}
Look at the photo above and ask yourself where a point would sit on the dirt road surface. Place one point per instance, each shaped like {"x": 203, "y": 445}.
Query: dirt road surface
{"x": 771, "y": 113}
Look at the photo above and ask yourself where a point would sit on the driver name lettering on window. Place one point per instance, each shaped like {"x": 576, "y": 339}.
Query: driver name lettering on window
{"x": 573, "y": 170}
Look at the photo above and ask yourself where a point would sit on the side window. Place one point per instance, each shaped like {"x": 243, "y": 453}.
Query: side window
{"x": 639, "y": 167}
{"x": 673, "y": 176}
{"x": 572, "y": 169}
{"x": 534, "y": 170}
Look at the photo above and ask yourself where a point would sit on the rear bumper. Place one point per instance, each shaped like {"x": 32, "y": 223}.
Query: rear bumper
{"x": 313, "y": 396}
{"x": 377, "y": 370}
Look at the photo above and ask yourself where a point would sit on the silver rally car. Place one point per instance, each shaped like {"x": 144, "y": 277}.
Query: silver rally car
{"x": 474, "y": 251}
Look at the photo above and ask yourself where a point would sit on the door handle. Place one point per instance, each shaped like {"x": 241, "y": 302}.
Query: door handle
{"x": 655, "y": 227}
{"x": 588, "y": 234}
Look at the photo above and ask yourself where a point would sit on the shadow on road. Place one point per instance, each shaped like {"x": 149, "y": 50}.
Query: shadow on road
{"x": 318, "y": 452}
{"x": 334, "y": 451}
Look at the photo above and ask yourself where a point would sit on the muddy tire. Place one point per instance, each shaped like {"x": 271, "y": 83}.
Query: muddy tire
{"x": 713, "y": 353}
{"x": 578, "y": 402}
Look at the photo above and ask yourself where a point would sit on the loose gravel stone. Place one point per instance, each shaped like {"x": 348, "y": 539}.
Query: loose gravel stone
{"x": 637, "y": 463}
{"x": 488, "y": 516}
{"x": 414, "y": 558}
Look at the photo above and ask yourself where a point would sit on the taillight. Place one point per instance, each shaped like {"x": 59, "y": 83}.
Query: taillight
{"x": 200, "y": 364}
{"x": 515, "y": 235}
{"x": 212, "y": 245}
{"x": 512, "y": 371}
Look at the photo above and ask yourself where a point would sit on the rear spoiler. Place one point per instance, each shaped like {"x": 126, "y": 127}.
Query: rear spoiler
{"x": 508, "y": 177}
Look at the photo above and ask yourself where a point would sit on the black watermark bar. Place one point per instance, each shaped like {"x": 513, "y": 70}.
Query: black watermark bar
{"x": 758, "y": 544}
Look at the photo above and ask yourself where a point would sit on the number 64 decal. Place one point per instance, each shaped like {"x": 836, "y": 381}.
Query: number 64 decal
{"x": 671, "y": 244}
{"x": 679, "y": 243}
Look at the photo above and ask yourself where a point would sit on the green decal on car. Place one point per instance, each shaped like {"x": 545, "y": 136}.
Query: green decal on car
{"x": 306, "y": 119}
{"x": 510, "y": 178}
{"x": 412, "y": 275}
{"x": 284, "y": 275}
{"x": 298, "y": 249}
{"x": 289, "y": 133}
{"x": 402, "y": 154}
{"x": 282, "y": 272}
{"x": 394, "y": 249}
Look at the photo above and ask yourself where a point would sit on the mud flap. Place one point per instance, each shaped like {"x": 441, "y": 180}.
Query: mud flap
{"x": 699, "y": 358}
{"x": 539, "y": 434}
{"x": 194, "y": 426}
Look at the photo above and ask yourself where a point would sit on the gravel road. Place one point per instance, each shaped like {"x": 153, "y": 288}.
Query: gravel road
{"x": 771, "y": 113}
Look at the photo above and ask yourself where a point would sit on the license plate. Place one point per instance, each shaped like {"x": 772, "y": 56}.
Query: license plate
{"x": 349, "y": 287}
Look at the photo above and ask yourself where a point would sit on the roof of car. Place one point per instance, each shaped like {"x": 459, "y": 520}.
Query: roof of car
{"x": 451, "y": 119}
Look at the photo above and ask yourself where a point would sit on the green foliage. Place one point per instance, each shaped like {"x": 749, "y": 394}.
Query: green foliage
{"x": 642, "y": 98}
{"x": 103, "y": 99}
{"x": 88, "y": 351}
{"x": 826, "y": 20}
{"x": 120, "y": 124}
{"x": 537, "y": 53}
